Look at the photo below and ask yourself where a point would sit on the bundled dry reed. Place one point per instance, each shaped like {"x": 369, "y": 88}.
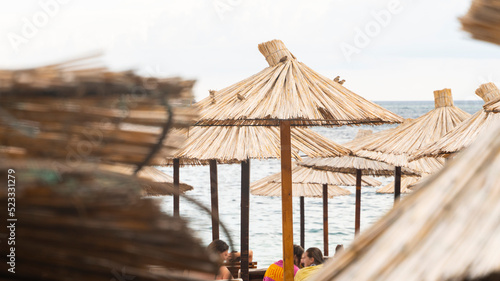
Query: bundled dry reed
{"x": 90, "y": 225}
{"x": 289, "y": 90}
{"x": 396, "y": 146}
{"x": 301, "y": 174}
{"x": 406, "y": 184}
{"x": 350, "y": 164}
{"x": 229, "y": 144}
{"x": 265, "y": 188}
{"x": 483, "y": 20}
{"x": 161, "y": 183}
{"x": 465, "y": 133}
{"x": 446, "y": 230}
{"x": 82, "y": 112}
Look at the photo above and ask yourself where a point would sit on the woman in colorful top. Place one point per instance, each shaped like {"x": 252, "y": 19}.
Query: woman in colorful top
{"x": 275, "y": 270}
{"x": 313, "y": 260}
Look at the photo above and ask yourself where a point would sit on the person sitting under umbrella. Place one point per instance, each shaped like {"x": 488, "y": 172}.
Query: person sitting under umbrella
{"x": 313, "y": 260}
{"x": 275, "y": 271}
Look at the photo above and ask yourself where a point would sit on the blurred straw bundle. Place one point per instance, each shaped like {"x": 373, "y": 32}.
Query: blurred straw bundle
{"x": 87, "y": 225}
{"x": 79, "y": 111}
{"x": 483, "y": 20}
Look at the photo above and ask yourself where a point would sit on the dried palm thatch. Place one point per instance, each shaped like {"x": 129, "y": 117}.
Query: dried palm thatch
{"x": 93, "y": 225}
{"x": 301, "y": 174}
{"x": 76, "y": 112}
{"x": 465, "y": 133}
{"x": 483, "y": 20}
{"x": 446, "y": 230}
{"x": 228, "y": 144}
{"x": 265, "y": 188}
{"x": 351, "y": 164}
{"x": 165, "y": 182}
{"x": 397, "y": 145}
{"x": 406, "y": 183}
{"x": 289, "y": 90}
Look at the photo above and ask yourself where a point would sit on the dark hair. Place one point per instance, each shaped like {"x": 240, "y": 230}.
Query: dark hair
{"x": 339, "y": 249}
{"x": 316, "y": 254}
{"x": 297, "y": 253}
{"x": 218, "y": 246}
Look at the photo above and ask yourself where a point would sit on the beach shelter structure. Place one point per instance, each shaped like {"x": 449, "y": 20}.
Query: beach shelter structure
{"x": 289, "y": 93}
{"x": 482, "y": 20}
{"x": 307, "y": 182}
{"x": 396, "y": 146}
{"x": 465, "y": 133}
{"x": 355, "y": 166}
{"x": 446, "y": 230}
{"x": 165, "y": 183}
{"x": 406, "y": 183}
{"x": 235, "y": 144}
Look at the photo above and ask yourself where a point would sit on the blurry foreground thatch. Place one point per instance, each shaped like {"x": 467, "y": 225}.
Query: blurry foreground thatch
{"x": 77, "y": 112}
{"x": 91, "y": 225}
{"x": 483, "y": 20}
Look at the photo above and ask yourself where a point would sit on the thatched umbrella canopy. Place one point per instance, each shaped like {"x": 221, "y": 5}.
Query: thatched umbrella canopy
{"x": 229, "y": 144}
{"x": 88, "y": 224}
{"x": 288, "y": 93}
{"x": 446, "y": 230}
{"x": 166, "y": 182}
{"x": 398, "y": 145}
{"x": 406, "y": 183}
{"x": 466, "y": 132}
{"x": 312, "y": 182}
{"x": 483, "y": 20}
{"x": 234, "y": 144}
{"x": 356, "y": 166}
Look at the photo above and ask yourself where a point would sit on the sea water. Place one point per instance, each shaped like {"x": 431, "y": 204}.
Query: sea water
{"x": 265, "y": 212}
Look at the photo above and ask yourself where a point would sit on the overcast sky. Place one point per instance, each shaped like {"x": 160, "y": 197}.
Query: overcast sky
{"x": 384, "y": 49}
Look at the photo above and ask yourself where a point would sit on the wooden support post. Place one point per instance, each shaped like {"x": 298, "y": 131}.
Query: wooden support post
{"x": 245, "y": 217}
{"x": 357, "y": 222}
{"x": 286, "y": 199}
{"x": 325, "y": 219}
{"x": 397, "y": 184}
{"x": 176, "y": 187}
{"x": 215, "y": 199}
{"x": 302, "y": 223}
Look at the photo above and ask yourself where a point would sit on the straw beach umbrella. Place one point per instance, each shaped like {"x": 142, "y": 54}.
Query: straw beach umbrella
{"x": 406, "y": 183}
{"x": 446, "y": 230}
{"x": 233, "y": 144}
{"x": 355, "y": 166}
{"x": 166, "y": 182}
{"x": 396, "y": 146}
{"x": 465, "y": 133}
{"x": 483, "y": 20}
{"x": 288, "y": 93}
{"x": 311, "y": 181}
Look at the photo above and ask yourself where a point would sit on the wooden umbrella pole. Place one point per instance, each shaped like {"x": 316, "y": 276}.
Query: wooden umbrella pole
{"x": 215, "y": 199}
{"x": 286, "y": 199}
{"x": 397, "y": 184}
{"x": 325, "y": 218}
{"x": 357, "y": 222}
{"x": 302, "y": 223}
{"x": 176, "y": 187}
{"x": 245, "y": 217}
